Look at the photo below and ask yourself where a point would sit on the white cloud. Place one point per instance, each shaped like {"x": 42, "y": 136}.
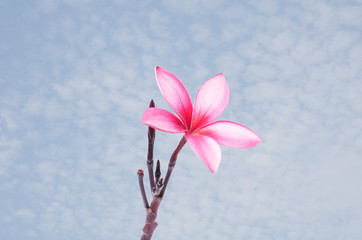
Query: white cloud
{"x": 71, "y": 140}
{"x": 25, "y": 215}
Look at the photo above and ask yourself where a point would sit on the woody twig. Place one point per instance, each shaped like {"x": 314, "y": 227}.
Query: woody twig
{"x": 157, "y": 184}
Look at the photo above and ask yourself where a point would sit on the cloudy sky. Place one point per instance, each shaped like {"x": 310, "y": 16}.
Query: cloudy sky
{"x": 76, "y": 75}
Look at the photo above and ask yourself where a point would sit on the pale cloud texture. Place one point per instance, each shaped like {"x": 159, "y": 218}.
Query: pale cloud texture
{"x": 75, "y": 77}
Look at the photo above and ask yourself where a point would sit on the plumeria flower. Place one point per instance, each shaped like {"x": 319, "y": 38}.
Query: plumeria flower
{"x": 198, "y": 124}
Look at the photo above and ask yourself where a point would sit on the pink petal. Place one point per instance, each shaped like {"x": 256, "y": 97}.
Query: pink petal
{"x": 206, "y": 149}
{"x": 231, "y": 134}
{"x": 175, "y": 94}
{"x": 162, "y": 120}
{"x": 210, "y": 101}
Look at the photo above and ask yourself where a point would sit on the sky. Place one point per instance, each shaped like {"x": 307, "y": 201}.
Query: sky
{"x": 76, "y": 76}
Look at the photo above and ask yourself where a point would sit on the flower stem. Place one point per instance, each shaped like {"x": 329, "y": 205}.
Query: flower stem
{"x": 172, "y": 164}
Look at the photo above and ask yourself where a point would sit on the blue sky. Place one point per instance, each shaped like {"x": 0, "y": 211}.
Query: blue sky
{"x": 76, "y": 75}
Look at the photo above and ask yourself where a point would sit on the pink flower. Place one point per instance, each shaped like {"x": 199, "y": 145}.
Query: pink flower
{"x": 197, "y": 123}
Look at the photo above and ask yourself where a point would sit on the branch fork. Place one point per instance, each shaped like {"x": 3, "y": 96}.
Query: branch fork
{"x": 157, "y": 184}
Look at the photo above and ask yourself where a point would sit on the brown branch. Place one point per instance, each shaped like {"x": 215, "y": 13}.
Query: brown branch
{"x": 151, "y": 215}
{"x": 151, "y": 141}
{"x": 151, "y": 212}
{"x": 158, "y": 187}
{"x": 142, "y": 188}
